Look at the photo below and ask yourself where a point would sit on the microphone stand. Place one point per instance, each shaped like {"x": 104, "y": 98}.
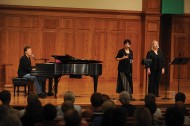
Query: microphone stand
{"x": 146, "y": 63}
{"x": 44, "y": 59}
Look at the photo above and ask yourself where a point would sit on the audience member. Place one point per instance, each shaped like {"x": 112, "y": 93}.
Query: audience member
{"x": 174, "y": 117}
{"x": 150, "y": 103}
{"x": 11, "y": 120}
{"x": 108, "y": 104}
{"x": 33, "y": 114}
{"x": 96, "y": 102}
{"x": 3, "y": 111}
{"x": 115, "y": 117}
{"x": 105, "y": 97}
{"x": 69, "y": 96}
{"x": 180, "y": 104}
{"x": 142, "y": 117}
{"x": 5, "y": 97}
{"x": 96, "y": 106}
{"x": 124, "y": 98}
{"x": 72, "y": 118}
{"x": 49, "y": 114}
{"x": 31, "y": 97}
{"x": 67, "y": 105}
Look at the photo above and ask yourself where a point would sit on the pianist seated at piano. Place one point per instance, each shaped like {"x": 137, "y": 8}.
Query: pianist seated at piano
{"x": 25, "y": 69}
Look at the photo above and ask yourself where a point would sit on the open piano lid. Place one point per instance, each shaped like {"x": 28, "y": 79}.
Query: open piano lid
{"x": 70, "y": 59}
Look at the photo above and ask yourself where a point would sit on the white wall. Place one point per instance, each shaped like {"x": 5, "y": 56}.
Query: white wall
{"x": 187, "y": 6}
{"x": 135, "y": 5}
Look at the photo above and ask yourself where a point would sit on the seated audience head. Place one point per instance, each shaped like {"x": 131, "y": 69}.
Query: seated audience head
{"x": 32, "y": 97}
{"x": 69, "y": 96}
{"x": 107, "y": 105}
{"x": 115, "y": 117}
{"x": 150, "y": 98}
{"x": 105, "y": 97}
{"x": 5, "y": 97}
{"x": 67, "y": 105}
{"x": 72, "y": 118}
{"x": 150, "y": 103}
{"x": 174, "y": 117}
{"x": 180, "y": 97}
{"x": 124, "y": 97}
{"x": 49, "y": 112}
{"x": 180, "y": 102}
{"x": 96, "y": 101}
{"x": 142, "y": 117}
{"x": 34, "y": 109}
{"x": 152, "y": 107}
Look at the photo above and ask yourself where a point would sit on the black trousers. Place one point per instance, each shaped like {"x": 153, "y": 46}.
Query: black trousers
{"x": 154, "y": 80}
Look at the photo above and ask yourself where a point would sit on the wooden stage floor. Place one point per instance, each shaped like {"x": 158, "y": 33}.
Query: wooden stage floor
{"x": 83, "y": 88}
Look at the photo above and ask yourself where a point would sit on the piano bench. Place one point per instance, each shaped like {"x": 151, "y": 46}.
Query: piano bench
{"x": 21, "y": 82}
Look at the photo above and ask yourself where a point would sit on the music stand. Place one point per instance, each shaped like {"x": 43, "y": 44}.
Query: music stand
{"x": 146, "y": 63}
{"x": 179, "y": 61}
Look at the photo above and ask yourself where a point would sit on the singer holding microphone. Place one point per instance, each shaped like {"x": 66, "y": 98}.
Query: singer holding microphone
{"x": 125, "y": 58}
{"x": 25, "y": 69}
{"x": 156, "y": 69}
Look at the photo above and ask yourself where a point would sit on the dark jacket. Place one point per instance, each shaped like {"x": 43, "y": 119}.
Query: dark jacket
{"x": 24, "y": 66}
{"x": 130, "y": 109}
{"x": 125, "y": 65}
{"x": 157, "y": 60}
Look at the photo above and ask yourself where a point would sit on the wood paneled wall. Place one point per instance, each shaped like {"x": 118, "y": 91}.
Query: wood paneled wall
{"x": 84, "y": 34}
{"x": 180, "y": 46}
{"x": 90, "y": 34}
{"x": 150, "y": 30}
{"x": 151, "y": 6}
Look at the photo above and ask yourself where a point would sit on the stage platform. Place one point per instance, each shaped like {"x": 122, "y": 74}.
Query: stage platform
{"x": 83, "y": 88}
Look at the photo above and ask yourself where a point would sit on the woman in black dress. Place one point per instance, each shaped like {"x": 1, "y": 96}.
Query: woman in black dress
{"x": 156, "y": 69}
{"x": 125, "y": 58}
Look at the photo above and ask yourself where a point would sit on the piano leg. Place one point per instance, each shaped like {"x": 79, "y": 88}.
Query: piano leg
{"x": 50, "y": 93}
{"x": 95, "y": 79}
{"x": 56, "y": 81}
{"x": 43, "y": 86}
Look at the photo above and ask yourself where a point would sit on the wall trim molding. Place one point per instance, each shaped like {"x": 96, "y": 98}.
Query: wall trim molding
{"x": 65, "y": 9}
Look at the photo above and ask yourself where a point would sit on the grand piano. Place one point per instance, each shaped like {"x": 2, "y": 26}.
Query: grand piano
{"x": 67, "y": 65}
